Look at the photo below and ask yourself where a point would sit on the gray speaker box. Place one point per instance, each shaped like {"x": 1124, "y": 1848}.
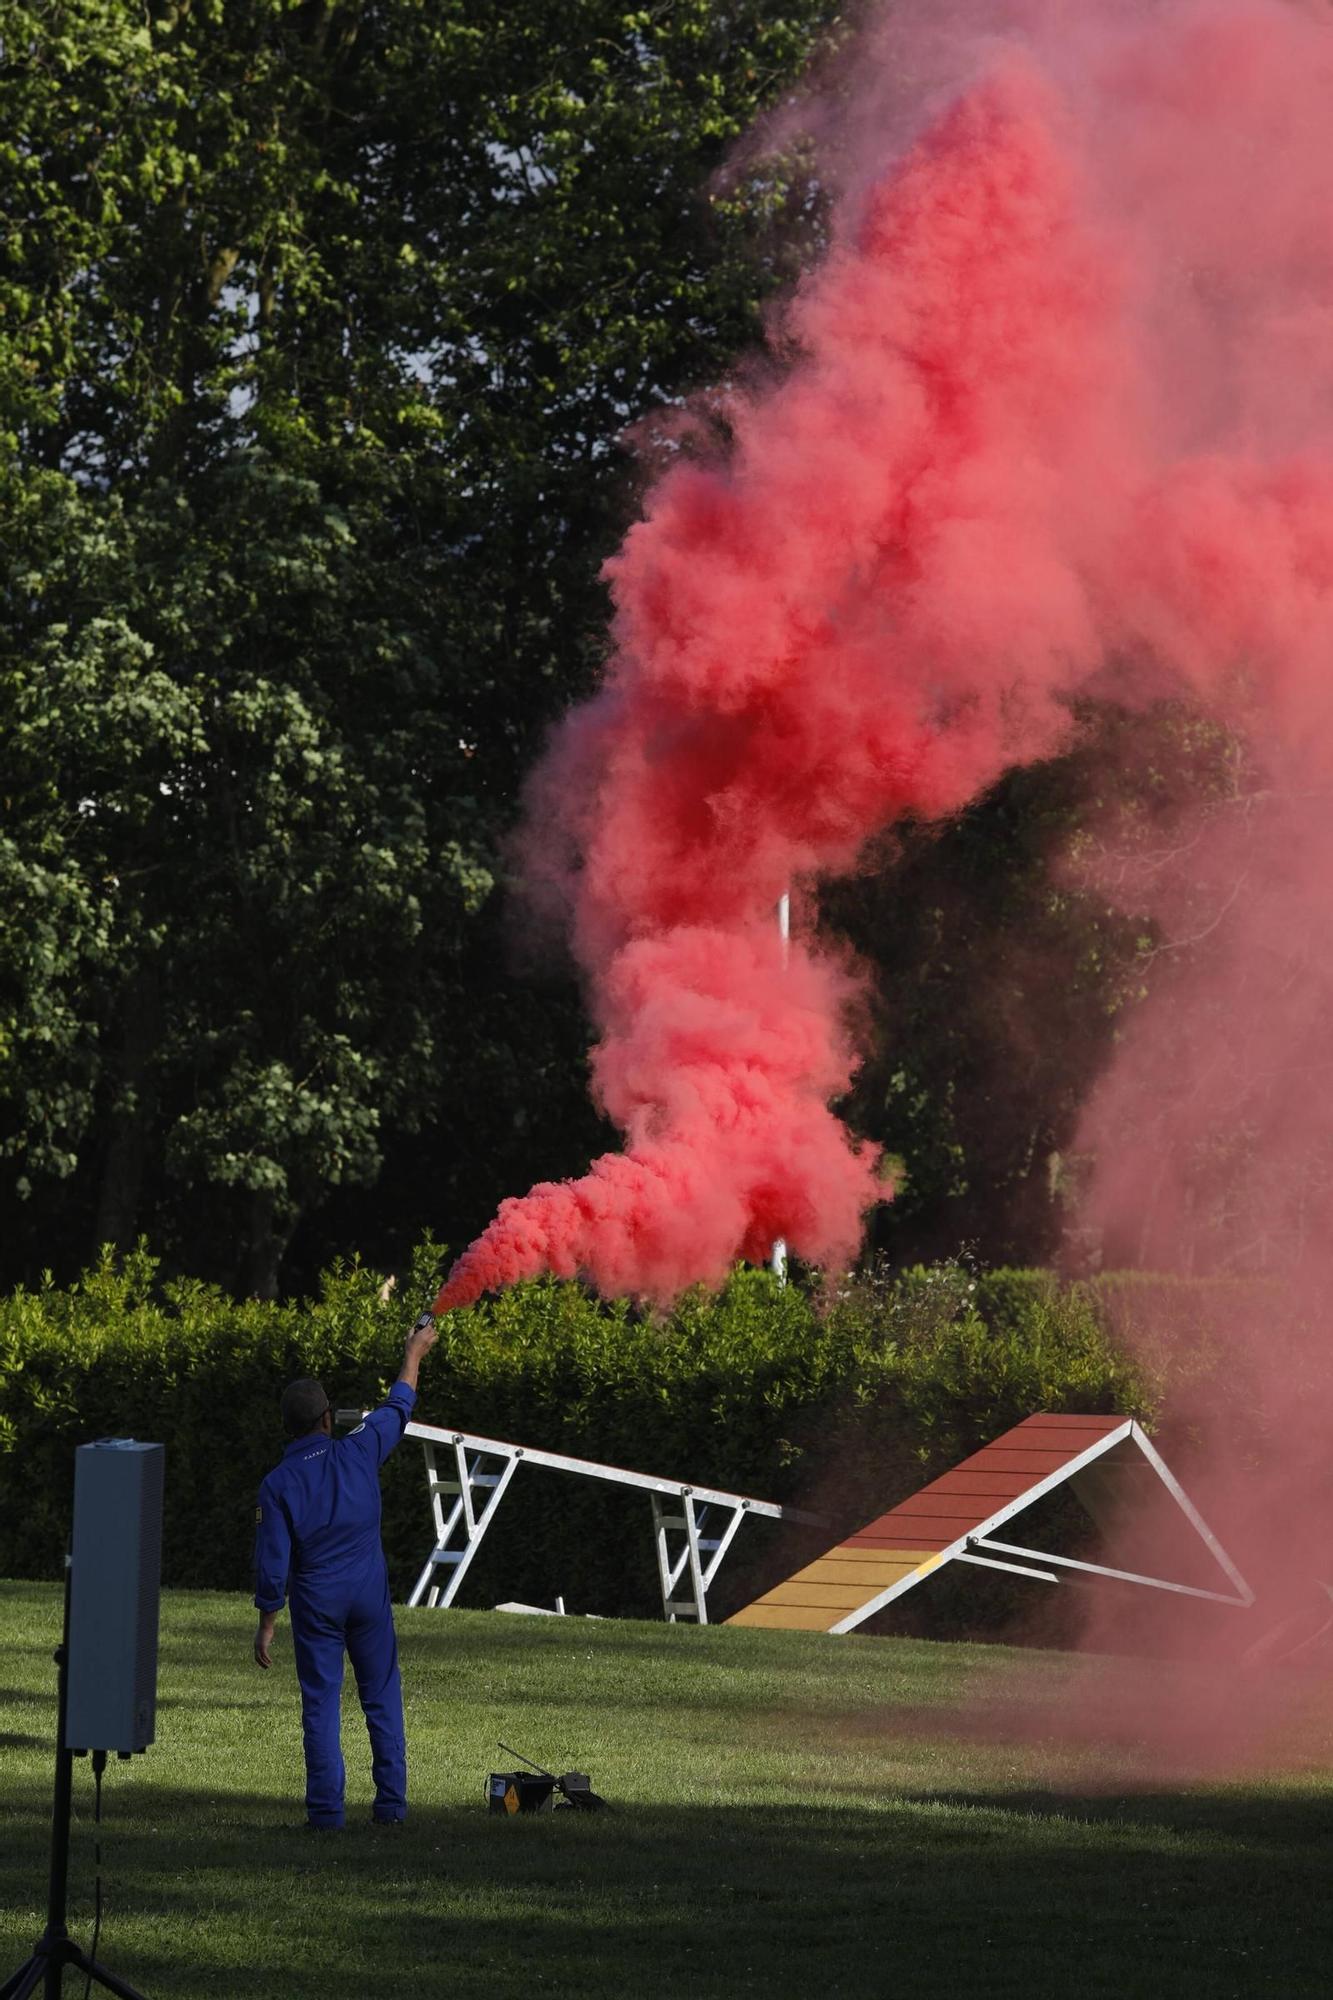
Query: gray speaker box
{"x": 115, "y": 1583}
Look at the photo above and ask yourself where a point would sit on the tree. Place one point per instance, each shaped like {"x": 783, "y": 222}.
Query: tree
{"x": 318, "y": 324}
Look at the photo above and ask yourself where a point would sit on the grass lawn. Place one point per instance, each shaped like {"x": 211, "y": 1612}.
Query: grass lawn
{"x": 796, "y": 1815}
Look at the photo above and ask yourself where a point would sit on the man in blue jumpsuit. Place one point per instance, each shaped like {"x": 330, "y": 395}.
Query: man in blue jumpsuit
{"x": 317, "y": 1540}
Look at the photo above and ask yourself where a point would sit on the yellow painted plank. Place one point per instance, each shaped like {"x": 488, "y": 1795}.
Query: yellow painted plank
{"x": 874, "y": 1575}
{"x": 785, "y": 1617}
{"x": 800, "y": 1604}
{"x": 860, "y": 1558}
{"x": 845, "y": 1596}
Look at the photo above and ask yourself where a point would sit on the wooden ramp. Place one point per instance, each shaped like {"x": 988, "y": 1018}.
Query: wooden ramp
{"x": 973, "y": 1515}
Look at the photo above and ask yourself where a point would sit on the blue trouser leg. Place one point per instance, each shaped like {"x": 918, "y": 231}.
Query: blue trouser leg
{"x": 317, "y": 1641}
{"x": 373, "y": 1646}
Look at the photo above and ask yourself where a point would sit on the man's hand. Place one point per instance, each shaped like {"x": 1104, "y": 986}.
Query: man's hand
{"x": 420, "y": 1341}
{"x": 264, "y": 1638}
{"x": 424, "y": 1334}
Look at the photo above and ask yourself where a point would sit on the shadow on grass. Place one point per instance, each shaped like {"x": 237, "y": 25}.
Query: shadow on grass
{"x": 29, "y": 1697}
{"x": 911, "y": 1894}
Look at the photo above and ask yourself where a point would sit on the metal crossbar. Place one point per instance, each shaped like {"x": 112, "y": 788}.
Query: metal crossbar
{"x": 693, "y": 1526}
{"x": 1015, "y": 1569}
{"x": 1091, "y": 1569}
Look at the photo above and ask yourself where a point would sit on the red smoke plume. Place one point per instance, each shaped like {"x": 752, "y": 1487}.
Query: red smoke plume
{"x": 1059, "y": 397}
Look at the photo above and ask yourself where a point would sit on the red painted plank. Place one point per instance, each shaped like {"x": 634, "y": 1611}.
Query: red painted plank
{"x": 1098, "y": 1426}
{"x": 900, "y": 1533}
{"x": 1072, "y": 1417}
{"x": 1049, "y": 1443}
{"x": 997, "y": 1458}
{"x": 925, "y": 1524}
{"x": 1050, "y": 1439}
{"x": 979, "y": 1485}
{"x": 931, "y": 1507}
{"x": 1069, "y": 1442}
{"x": 947, "y": 1508}
{"x": 903, "y": 1541}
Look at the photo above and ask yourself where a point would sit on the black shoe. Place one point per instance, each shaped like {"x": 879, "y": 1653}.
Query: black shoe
{"x": 399, "y": 1823}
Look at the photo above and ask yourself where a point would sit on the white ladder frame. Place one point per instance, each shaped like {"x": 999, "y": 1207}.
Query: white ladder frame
{"x": 687, "y": 1561}
{"x": 486, "y": 1466}
{"x": 469, "y": 1481}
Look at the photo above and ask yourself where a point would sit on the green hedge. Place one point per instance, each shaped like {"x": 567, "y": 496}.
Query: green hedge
{"x": 845, "y": 1401}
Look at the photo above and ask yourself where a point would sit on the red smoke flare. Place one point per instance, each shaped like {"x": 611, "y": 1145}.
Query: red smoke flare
{"x": 1061, "y": 393}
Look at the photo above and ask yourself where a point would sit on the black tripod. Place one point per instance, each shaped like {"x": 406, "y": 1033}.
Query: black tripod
{"x": 55, "y": 1948}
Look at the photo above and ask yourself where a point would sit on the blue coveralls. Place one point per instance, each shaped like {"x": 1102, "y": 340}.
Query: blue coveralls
{"x": 318, "y": 1537}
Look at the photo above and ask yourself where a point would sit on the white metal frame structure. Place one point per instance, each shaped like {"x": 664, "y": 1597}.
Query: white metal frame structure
{"x": 1092, "y": 1484}
{"x": 693, "y": 1526}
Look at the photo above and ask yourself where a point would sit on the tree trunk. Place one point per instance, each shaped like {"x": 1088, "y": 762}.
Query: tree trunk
{"x": 270, "y": 1231}
{"x": 133, "y": 1095}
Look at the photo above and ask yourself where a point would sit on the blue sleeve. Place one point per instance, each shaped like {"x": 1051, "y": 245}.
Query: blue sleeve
{"x": 273, "y": 1550}
{"x": 383, "y": 1428}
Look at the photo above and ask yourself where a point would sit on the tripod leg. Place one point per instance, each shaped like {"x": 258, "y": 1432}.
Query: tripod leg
{"x": 23, "y": 1982}
{"x": 103, "y": 1977}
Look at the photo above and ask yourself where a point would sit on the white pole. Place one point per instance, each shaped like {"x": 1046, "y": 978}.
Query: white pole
{"x": 778, "y": 1261}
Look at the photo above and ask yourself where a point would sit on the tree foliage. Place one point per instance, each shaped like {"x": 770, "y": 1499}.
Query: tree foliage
{"x": 318, "y": 325}
{"x": 1005, "y": 953}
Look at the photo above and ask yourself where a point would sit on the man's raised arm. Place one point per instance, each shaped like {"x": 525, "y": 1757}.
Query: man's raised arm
{"x": 385, "y": 1425}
